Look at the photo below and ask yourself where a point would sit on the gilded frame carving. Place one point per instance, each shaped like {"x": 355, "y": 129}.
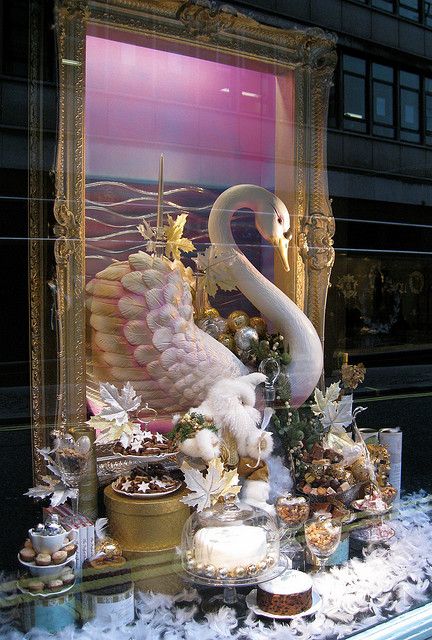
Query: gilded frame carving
{"x": 309, "y": 53}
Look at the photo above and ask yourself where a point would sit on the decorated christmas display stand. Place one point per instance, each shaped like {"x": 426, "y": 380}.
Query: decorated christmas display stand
{"x": 250, "y": 489}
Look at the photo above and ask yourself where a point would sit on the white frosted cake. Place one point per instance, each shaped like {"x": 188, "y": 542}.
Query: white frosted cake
{"x": 230, "y": 547}
{"x": 286, "y": 595}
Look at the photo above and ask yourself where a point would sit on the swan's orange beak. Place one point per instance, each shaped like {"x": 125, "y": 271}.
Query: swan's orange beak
{"x": 281, "y": 245}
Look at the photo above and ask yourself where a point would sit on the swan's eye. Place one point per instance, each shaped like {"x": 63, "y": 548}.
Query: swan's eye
{"x": 280, "y": 221}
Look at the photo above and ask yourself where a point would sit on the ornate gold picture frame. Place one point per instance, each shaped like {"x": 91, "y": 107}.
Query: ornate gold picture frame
{"x": 310, "y": 54}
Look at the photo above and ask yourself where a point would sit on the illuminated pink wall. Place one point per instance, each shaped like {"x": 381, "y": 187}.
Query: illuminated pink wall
{"x": 214, "y": 123}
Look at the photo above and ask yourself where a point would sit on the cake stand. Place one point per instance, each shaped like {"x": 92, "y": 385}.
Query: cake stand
{"x": 230, "y": 596}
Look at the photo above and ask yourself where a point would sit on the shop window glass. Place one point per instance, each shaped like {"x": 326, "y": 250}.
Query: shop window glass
{"x": 385, "y": 5}
{"x": 354, "y": 79}
{"x": 428, "y": 13}
{"x": 409, "y": 106}
{"x": 409, "y": 9}
{"x": 383, "y": 110}
{"x": 428, "y": 110}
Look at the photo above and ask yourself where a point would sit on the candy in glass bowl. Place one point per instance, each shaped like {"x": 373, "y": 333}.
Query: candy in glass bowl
{"x": 292, "y": 512}
{"x": 322, "y": 534}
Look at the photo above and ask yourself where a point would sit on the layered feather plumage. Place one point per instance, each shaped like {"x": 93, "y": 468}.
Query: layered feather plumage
{"x": 142, "y": 331}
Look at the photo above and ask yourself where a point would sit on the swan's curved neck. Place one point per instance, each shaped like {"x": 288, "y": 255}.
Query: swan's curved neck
{"x": 305, "y": 346}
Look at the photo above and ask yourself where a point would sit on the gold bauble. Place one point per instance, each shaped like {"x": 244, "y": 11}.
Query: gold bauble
{"x": 237, "y": 320}
{"x": 211, "y": 313}
{"x": 259, "y": 324}
{"x": 227, "y": 340}
{"x": 110, "y": 547}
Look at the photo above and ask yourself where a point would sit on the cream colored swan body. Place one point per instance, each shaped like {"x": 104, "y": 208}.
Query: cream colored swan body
{"x": 141, "y": 316}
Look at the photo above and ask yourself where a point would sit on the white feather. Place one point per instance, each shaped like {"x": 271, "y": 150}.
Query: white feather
{"x": 133, "y": 281}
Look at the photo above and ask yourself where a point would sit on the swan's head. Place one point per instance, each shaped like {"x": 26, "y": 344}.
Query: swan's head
{"x": 274, "y": 226}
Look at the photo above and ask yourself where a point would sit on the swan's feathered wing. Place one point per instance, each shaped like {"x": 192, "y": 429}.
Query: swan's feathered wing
{"x": 142, "y": 331}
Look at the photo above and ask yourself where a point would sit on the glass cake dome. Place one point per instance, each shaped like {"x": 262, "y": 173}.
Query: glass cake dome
{"x": 231, "y": 543}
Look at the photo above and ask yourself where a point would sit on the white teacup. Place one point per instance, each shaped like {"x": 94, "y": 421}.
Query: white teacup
{"x": 47, "y": 544}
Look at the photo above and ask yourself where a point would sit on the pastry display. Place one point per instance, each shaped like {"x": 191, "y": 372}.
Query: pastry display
{"x": 146, "y": 443}
{"x": 49, "y": 585}
{"x": 59, "y": 556}
{"x": 289, "y": 594}
{"x": 153, "y": 482}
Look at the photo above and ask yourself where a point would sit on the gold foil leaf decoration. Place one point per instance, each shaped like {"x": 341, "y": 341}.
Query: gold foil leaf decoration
{"x": 174, "y": 237}
{"x": 205, "y": 490}
{"x": 112, "y": 432}
{"x": 214, "y": 263}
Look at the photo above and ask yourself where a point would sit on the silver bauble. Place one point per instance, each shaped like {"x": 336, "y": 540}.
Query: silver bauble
{"x": 209, "y": 326}
{"x": 244, "y": 336}
{"x": 210, "y": 571}
{"x": 191, "y": 564}
{"x": 222, "y": 325}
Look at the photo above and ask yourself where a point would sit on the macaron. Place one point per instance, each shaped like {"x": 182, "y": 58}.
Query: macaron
{"x": 54, "y": 585}
{"x": 59, "y": 556}
{"x": 68, "y": 578}
{"x": 35, "y": 586}
{"x": 28, "y": 544}
{"x": 70, "y": 549}
{"x": 43, "y": 559}
{"x": 27, "y": 554}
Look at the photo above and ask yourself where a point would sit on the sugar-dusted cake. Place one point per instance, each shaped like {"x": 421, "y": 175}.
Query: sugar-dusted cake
{"x": 287, "y": 595}
{"x": 230, "y": 547}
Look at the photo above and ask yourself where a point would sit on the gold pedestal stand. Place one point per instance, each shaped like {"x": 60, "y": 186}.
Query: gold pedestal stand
{"x": 149, "y": 532}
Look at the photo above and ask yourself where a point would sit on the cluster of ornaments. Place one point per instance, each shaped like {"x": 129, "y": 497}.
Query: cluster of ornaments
{"x": 222, "y": 573}
{"x": 52, "y": 527}
{"x": 236, "y": 332}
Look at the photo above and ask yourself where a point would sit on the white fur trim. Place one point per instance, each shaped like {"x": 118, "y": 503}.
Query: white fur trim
{"x": 259, "y": 444}
{"x": 204, "y": 445}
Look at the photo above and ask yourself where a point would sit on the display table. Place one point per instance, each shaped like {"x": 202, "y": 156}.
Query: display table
{"x": 380, "y": 596}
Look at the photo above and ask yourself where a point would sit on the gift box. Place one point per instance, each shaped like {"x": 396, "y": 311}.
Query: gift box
{"x": 82, "y": 528}
{"x": 149, "y": 532}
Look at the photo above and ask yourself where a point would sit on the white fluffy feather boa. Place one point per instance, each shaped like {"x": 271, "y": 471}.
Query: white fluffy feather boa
{"x": 360, "y": 594}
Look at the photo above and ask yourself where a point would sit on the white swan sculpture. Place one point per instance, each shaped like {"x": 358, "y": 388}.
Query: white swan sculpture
{"x": 142, "y": 323}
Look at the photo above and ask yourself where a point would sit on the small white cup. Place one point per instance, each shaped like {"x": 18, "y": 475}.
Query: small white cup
{"x": 47, "y": 544}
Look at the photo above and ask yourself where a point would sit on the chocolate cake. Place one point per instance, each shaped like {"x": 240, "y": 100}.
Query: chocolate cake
{"x": 287, "y": 595}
